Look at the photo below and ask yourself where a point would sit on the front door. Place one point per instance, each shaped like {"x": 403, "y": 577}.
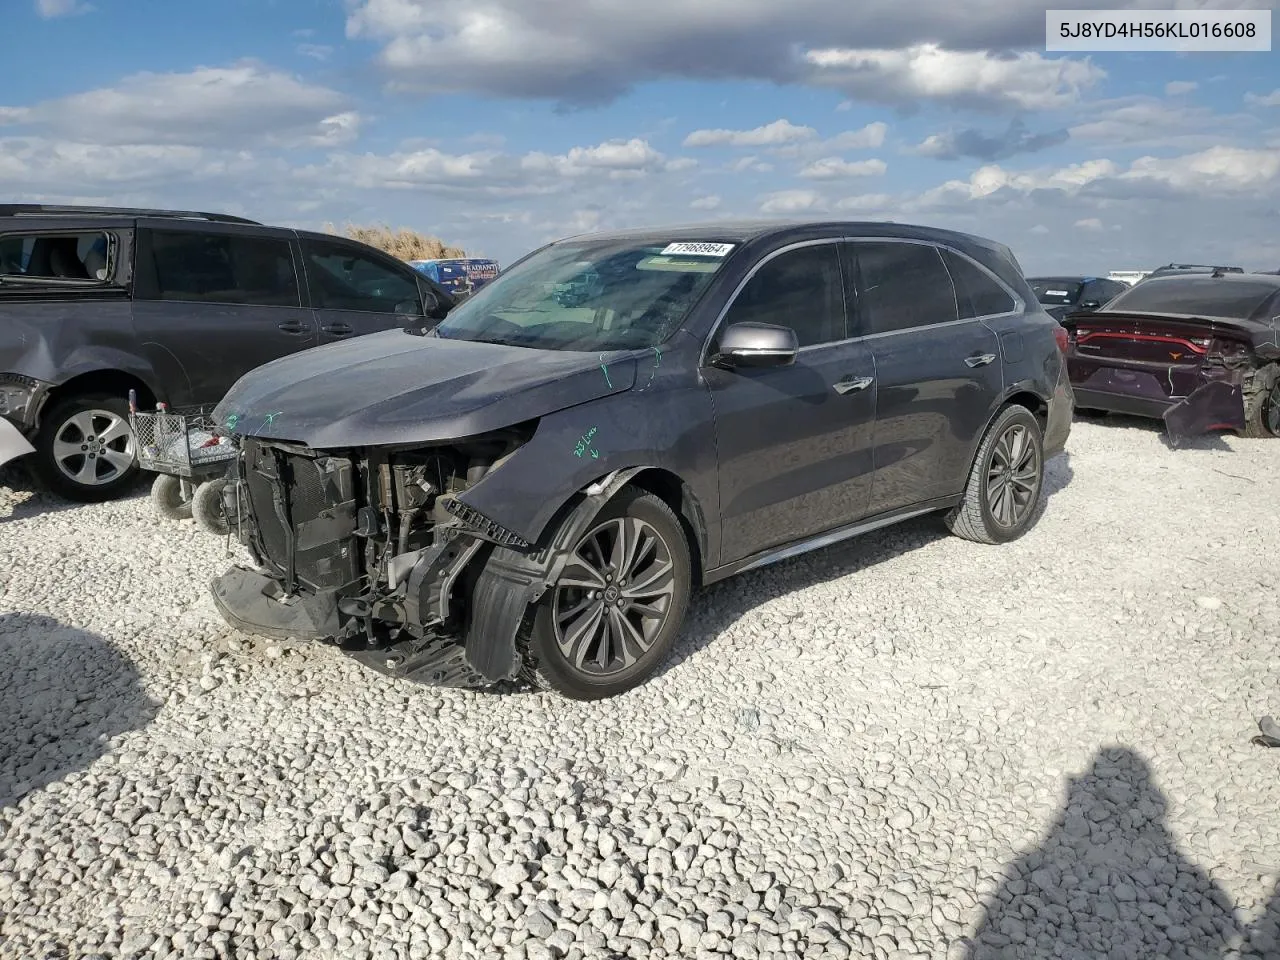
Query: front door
{"x": 938, "y": 372}
{"x": 212, "y": 303}
{"x": 355, "y": 290}
{"x": 794, "y": 442}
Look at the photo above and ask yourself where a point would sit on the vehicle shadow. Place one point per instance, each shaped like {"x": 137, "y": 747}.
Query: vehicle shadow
{"x": 715, "y": 608}
{"x": 66, "y": 693}
{"x": 32, "y": 500}
{"x": 1108, "y": 881}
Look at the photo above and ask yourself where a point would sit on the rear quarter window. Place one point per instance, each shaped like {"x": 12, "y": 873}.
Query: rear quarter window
{"x": 82, "y": 255}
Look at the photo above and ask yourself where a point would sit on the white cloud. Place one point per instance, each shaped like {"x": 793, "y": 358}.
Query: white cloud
{"x": 617, "y": 158}
{"x": 1176, "y": 88}
{"x": 1040, "y": 228}
{"x": 835, "y": 168}
{"x": 708, "y": 202}
{"x": 971, "y": 142}
{"x": 316, "y": 51}
{"x": 1142, "y": 121}
{"x": 680, "y": 163}
{"x": 1089, "y": 223}
{"x": 865, "y": 203}
{"x": 978, "y": 78}
{"x": 51, "y": 9}
{"x": 243, "y": 104}
{"x": 1271, "y": 99}
{"x": 770, "y": 135}
{"x": 750, "y": 164}
{"x": 1218, "y": 168}
{"x": 791, "y": 201}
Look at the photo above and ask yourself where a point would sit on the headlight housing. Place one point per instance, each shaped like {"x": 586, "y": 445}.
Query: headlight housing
{"x": 17, "y": 396}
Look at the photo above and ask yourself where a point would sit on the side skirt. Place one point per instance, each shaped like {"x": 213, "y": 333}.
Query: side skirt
{"x": 795, "y": 549}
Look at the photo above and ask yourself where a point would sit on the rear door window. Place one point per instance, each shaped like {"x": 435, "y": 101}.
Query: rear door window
{"x": 342, "y": 277}
{"x": 200, "y": 267}
{"x": 901, "y": 286}
{"x": 978, "y": 294}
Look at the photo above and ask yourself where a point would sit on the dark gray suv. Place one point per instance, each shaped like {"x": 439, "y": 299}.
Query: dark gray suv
{"x": 529, "y": 491}
{"x": 176, "y": 305}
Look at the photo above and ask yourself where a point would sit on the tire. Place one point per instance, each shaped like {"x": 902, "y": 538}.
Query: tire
{"x": 662, "y": 552}
{"x": 1262, "y": 404}
{"x": 975, "y": 518}
{"x": 166, "y": 497}
{"x": 206, "y": 507}
{"x": 71, "y": 458}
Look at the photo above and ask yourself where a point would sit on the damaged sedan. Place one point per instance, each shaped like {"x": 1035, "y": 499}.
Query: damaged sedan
{"x": 528, "y": 493}
{"x": 1201, "y": 352}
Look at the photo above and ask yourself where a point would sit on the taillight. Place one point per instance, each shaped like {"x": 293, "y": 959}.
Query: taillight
{"x": 1063, "y": 338}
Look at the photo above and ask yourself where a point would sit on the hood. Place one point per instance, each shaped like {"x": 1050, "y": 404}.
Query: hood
{"x": 393, "y": 387}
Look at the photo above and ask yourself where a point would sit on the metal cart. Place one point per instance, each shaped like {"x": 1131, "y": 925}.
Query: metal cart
{"x": 190, "y": 458}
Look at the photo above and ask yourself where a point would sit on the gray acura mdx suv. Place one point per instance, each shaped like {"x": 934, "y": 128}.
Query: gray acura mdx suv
{"x": 529, "y": 491}
{"x": 98, "y": 301}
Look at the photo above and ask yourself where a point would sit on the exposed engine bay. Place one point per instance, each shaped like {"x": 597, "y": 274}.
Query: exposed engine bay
{"x": 371, "y": 549}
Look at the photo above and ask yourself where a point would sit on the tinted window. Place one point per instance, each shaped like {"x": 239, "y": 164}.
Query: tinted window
{"x": 977, "y": 294}
{"x": 1197, "y": 296}
{"x": 71, "y": 256}
{"x": 801, "y": 289}
{"x": 345, "y": 278}
{"x": 216, "y": 268}
{"x": 902, "y": 285}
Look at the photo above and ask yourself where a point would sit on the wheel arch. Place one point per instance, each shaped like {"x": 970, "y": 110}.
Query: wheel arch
{"x": 106, "y": 380}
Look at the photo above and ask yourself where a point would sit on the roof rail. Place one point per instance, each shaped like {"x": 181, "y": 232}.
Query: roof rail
{"x": 72, "y": 210}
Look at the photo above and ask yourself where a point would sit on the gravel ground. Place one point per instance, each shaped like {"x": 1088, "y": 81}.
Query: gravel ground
{"x": 905, "y": 746}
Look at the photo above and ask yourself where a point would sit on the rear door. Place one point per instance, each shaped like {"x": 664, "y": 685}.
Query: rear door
{"x": 214, "y": 301}
{"x": 938, "y": 371}
{"x": 357, "y": 290}
{"x": 794, "y": 442}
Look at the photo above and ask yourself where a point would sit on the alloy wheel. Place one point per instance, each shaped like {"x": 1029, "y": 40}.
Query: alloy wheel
{"x": 613, "y": 597}
{"x": 1013, "y": 476}
{"x": 94, "y": 447}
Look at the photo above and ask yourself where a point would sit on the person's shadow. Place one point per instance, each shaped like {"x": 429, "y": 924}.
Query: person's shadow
{"x": 66, "y": 693}
{"x": 1108, "y": 882}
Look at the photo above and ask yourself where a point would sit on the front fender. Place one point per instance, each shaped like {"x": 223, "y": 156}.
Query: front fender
{"x": 664, "y": 423}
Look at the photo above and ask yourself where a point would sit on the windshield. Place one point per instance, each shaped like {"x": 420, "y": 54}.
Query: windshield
{"x": 1055, "y": 293}
{"x": 1195, "y": 296}
{"x": 607, "y": 295}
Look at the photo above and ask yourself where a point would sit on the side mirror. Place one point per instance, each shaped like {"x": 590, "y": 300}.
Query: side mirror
{"x": 756, "y": 345}
{"x": 1089, "y": 304}
{"x": 432, "y": 306}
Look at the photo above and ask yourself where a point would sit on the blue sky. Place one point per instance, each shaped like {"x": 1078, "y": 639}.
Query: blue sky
{"x": 499, "y": 124}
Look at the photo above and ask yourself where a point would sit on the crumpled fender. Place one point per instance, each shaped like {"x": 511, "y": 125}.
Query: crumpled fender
{"x": 12, "y": 443}
{"x": 1216, "y": 405}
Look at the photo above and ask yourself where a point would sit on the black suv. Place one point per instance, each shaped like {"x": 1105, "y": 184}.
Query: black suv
{"x": 96, "y": 301}
{"x": 533, "y": 488}
{"x": 1062, "y": 295}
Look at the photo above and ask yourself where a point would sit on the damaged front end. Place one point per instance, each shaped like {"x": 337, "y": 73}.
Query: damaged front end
{"x": 373, "y": 549}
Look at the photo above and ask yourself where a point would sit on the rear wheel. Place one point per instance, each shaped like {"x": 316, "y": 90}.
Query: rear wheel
{"x": 206, "y": 507}
{"x": 1005, "y": 481}
{"x": 85, "y": 449}
{"x": 615, "y": 611}
{"x": 1262, "y": 404}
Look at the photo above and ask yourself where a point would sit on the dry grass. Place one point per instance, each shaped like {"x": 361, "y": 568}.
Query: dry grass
{"x": 403, "y": 243}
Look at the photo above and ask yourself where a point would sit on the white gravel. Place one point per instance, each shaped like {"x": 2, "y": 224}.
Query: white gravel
{"x": 906, "y": 746}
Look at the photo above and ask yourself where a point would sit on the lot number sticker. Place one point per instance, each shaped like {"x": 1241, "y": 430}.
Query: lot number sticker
{"x": 697, "y": 249}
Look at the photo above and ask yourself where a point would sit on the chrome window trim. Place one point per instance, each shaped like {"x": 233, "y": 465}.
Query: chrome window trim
{"x": 1019, "y": 305}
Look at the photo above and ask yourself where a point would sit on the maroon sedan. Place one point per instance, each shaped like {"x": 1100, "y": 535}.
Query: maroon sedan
{"x": 1200, "y": 352}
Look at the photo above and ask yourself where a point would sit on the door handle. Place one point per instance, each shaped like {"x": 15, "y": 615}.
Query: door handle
{"x": 980, "y": 359}
{"x": 337, "y": 329}
{"x": 850, "y": 384}
{"x": 291, "y": 326}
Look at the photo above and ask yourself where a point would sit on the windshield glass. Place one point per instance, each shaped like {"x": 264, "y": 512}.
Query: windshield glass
{"x": 1055, "y": 293}
{"x": 1195, "y": 296}
{"x": 606, "y": 295}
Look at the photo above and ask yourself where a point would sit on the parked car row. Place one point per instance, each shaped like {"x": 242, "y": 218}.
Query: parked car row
{"x": 174, "y": 305}
{"x": 525, "y": 487}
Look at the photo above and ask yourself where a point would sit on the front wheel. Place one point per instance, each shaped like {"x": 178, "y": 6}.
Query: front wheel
{"x": 615, "y": 611}
{"x": 1005, "y": 481}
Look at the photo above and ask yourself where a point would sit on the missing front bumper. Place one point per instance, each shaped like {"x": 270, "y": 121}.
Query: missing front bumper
{"x": 254, "y": 603}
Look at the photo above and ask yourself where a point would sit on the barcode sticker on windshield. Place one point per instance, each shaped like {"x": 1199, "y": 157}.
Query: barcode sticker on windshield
{"x": 698, "y": 249}
{"x": 1055, "y": 293}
